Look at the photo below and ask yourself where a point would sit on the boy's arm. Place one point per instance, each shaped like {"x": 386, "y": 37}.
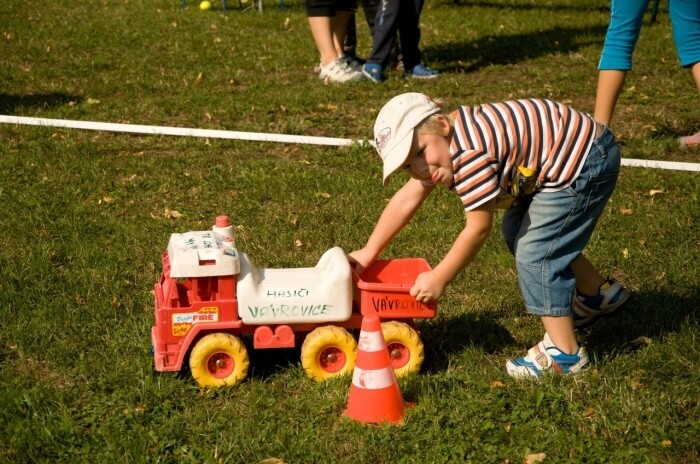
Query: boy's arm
{"x": 397, "y": 213}
{"x": 430, "y": 285}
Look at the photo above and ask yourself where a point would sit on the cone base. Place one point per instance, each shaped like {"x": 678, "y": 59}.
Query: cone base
{"x": 376, "y": 406}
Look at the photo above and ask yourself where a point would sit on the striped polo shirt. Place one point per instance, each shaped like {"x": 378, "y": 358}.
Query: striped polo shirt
{"x": 490, "y": 141}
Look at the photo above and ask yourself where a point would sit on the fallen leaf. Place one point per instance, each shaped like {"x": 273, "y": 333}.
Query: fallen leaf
{"x": 532, "y": 458}
{"x": 497, "y": 384}
{"x": 626, "y": 211}
{"x": 666, "y": 443}
{"x": 92, "y": 101}
{"x": 646, "y": 341}
{"x": 655, "y": 192}
{"x": 588, "y": 412}
{"x": 298, "y": 243}
{"x": 171, "y": 214}
{"x": 625, "y": 253}
{"x": 324, "y": 195}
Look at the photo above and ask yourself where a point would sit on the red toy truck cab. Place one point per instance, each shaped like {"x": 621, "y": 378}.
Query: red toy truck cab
{"x": 210, "y": 297}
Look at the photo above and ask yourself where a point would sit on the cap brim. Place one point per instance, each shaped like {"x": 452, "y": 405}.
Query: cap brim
{"x": 397, "y": 156}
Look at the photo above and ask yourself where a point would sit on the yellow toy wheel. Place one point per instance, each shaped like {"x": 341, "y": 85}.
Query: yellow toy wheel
{"x": 405, "y": 347}
{"x": 328, "y": 352}
{"x": 219, "y": 360}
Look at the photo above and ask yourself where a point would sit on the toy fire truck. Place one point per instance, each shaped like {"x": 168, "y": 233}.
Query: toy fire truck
{"x": 212, "y": 303}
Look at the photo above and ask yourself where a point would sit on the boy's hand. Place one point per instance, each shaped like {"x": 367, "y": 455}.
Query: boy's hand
{"x": 360, "y": 260}
{"x": 428, "y": 287}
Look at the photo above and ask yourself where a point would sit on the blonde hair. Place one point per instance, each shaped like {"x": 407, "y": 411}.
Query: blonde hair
{"x": 431, "y": 124}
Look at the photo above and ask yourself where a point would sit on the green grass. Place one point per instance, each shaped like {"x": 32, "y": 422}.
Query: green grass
{"x": 85, "y": 218}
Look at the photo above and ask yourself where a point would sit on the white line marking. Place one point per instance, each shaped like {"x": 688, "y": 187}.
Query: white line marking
{"x": 264, "y": 137}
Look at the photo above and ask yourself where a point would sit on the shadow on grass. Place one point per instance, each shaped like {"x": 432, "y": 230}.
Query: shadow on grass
{"x": 265, "y": 363}
{"x": 532, "y": 6}
{"x": 440, "y": 339}
{"x": 469, "y": 56}
{"x": 668, "y": 131}
{"x": 448, "y": 336}
{"x": 647, "y": 315}
{"x": 9, "y": 104}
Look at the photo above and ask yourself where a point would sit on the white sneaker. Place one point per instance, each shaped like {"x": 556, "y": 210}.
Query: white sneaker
{"x": 339, "y": 71}
{"x": 610, "y": 297}
{"x": 545, "y": 357}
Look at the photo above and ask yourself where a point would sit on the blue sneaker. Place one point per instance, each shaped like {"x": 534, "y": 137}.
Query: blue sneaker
{"x": 421, "y": 71}
{"x": 610, "y": 297}
{"x": 373, "y": 72}
{"x": 545, "y": 357}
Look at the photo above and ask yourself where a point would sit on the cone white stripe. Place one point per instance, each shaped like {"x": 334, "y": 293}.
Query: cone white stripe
{"x": 373, "y": 379}
{"x": 371, "y": 342}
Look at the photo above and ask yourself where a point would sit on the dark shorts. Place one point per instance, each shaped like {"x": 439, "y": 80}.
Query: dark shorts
{"x": 328, "y": 8}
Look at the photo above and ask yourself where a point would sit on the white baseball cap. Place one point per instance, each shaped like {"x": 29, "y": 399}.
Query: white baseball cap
{"x": 394, "y": 127}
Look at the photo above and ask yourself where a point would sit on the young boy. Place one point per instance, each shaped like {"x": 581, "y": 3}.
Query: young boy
{"x": 568, "y": 169}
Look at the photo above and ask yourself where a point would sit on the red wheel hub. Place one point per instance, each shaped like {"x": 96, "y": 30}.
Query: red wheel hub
{"x": 331, "y": 359}
{"x": 399, "y": 354}
{"x": 220, "y": 365}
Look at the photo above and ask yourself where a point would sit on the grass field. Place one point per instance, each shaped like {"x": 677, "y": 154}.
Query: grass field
{"x": 85, "y": 216}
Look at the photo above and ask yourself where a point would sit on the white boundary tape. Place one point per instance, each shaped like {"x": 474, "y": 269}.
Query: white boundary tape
{"x": 165, "y": 130}
{"x": 673, "y": 165}
{"x": 262, "y": 137}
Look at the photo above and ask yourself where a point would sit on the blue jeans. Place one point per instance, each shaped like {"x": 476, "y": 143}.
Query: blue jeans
{"x": 548, "y": 231}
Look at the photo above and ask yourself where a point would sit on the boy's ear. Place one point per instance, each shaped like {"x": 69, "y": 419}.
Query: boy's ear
{"x": 446, "y": 126}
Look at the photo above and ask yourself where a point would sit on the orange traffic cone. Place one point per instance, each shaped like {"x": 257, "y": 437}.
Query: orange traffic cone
{"x": 374, "y": 394}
